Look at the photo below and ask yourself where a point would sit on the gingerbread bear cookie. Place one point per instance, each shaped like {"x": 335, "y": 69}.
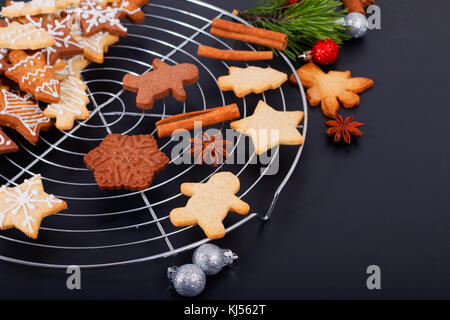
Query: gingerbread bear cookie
{"x": 162, "y": 81}
{"x": 23, "y": 207}
{"x": 209, "y": 204}
{"x": 33, "y": 75}
{"x": 329, "y": 88}
{"x": 251, "y": 79}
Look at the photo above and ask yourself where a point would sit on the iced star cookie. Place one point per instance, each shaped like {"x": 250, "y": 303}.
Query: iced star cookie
{"x": 209, "y": 204}
{"x": 23, "y": 207}
{"x": 23, "y": 115}
{"x": 71, "y": 106}
{"x": 130, "y": 9}
{"x": 24, "y": 36}
{"x": 268, "y": 127}
{"x": 33, "y": 75}
{"x": 93, "y": 46}
{"x": 251, "y": 79}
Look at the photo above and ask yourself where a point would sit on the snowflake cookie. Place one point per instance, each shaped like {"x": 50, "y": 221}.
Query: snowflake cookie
{"x": 128, "y": 162}
{"x": 23, "y": 207}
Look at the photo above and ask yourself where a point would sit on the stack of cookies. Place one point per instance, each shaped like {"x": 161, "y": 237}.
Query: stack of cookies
{"x": 43, "y": 47}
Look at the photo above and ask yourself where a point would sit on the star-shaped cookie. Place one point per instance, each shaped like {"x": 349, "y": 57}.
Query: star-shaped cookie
{"x": 23, "y": 115}
{"x": 268, "y": 127}
{"x": 328, "y": 88}
{"x": 23, "y": 207}
{"x": 251, "y": 79}
{"x": 209, "y": 204}
{"x": 160, "y": 82}
{"x": 128, "y": 162}
{"x": 72, "y": 67}
{"x": 130, "y": 9}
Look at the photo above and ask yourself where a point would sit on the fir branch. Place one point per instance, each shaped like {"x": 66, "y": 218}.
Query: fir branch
{"x": 304, "y": 22}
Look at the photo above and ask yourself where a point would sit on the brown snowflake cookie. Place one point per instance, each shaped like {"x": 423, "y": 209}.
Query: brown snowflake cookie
{"x": 33, "y": 75}
{"x": 129, "y": 162}
{"x": 6, "y": 144}
{"x": 23, "y": 114}
{"x": 162, "y": 81}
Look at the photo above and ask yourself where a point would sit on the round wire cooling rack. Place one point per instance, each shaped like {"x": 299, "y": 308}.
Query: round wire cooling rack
{"x": 105, "y": 228}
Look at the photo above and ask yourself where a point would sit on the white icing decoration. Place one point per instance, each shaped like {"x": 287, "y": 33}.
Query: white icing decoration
{"x": 24, "y": 109}
{"x": 24, "y": 201}
{"x": 93, "y": 42}
{"x": 16, "y": 32}
{"x": 72, "y": 97}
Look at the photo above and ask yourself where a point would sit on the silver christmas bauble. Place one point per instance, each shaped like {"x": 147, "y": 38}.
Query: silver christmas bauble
{"x": 211, "y": 259}
{"x": 357, "y": 24}
{"x": 188, "y": 280}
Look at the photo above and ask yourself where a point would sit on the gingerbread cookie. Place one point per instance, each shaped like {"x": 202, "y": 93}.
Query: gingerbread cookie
{"x": 24, "y": 36}
{"x": 72, "y": 67}
{"x": 251, "y": 79}
{"x": 327, "y": 88}
{"x": 22, "y": 114}
{"x": 4, "y": 63}
{"x": 209, "y": 204}
{"x": 128, "y": 162}
{"x": 93, "y": 46}
{"x": 35, "y": 7}
{"x": 268, "y": 127}
{"x": 162, "y": 81}
{"x": 23, "y": 207}
{"x": 33, "y": 75}
{"x": 65, "y": 45}
{"x": 130, "y": 9}
{"x": 71, "y": 106}
{"x": 6, "y": 144}
{"x": 96, "y": 18}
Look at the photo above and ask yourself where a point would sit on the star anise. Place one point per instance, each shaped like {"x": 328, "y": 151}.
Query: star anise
{"x": 209, "y": 149}
{"x": 343, "y": 129}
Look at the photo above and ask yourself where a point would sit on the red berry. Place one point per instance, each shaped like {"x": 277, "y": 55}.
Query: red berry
{"x": 325, "y": 51}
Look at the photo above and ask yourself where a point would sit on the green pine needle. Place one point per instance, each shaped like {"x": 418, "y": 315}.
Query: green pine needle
{"x": 304, "y": 22}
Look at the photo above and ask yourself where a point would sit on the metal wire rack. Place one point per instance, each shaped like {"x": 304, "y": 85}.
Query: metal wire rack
{"x": 114, "y": 228}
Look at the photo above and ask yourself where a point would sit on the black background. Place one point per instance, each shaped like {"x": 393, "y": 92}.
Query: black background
{"x": 383, "y": 200}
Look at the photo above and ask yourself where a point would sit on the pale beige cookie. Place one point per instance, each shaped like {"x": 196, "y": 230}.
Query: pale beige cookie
{"x": 251, "y": 79}
{"x": 95, "y": 45}
{"x": 73, "y": 67}
{"x": 35, "y": 7}
{"x": 268, "y": 127}
{"x": 23, "y": 207}
{"x": 209, "y": 204}
{"x": 24, "y": 36}
{"x": 71, "y": 106}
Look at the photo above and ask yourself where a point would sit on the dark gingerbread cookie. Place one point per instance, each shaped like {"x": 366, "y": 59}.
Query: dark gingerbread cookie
{"x": 6, "y": 144}
{"x": 129, "y": 162}
{"x": 161, "y": 82}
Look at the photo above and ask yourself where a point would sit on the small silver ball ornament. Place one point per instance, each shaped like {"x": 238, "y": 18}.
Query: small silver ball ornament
{"x": 188, "y": 280}
{"x": 211, "y": 259}
{"x": 357, "y": 24}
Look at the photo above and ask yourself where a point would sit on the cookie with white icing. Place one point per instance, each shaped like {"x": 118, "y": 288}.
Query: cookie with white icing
{"x": 6, "y": 144}
{"x": 24, "y": 36}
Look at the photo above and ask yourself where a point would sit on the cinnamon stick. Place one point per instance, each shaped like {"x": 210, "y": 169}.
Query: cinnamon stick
{"x": 238, "y": 31}
{"x": 167, "y": 126}
{"x": 214, "y": 53}
{"x": 354, "y": 6}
